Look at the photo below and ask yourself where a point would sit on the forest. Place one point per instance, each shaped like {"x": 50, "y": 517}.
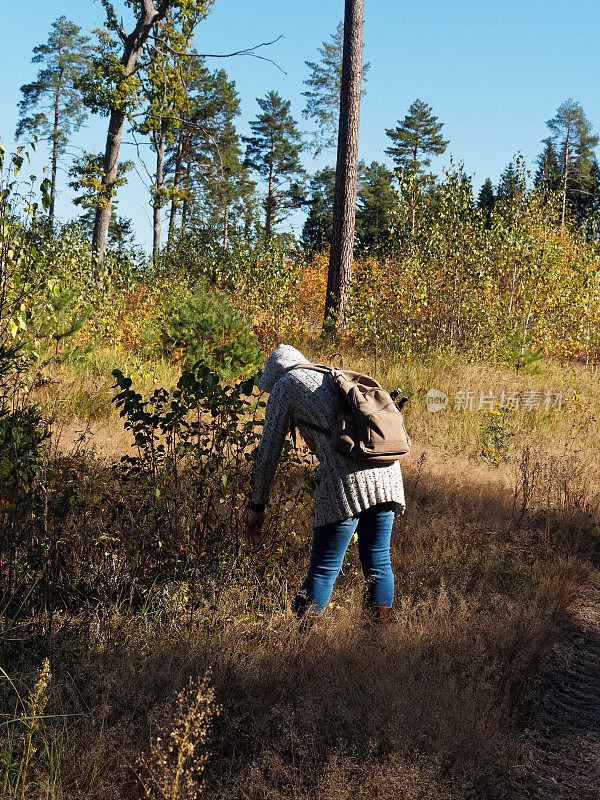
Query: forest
{"x": 146, "y": 648}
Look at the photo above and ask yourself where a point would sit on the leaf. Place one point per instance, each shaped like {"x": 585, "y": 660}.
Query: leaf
{"x": 17, "y": 164}
{"x": 45, "y": 187}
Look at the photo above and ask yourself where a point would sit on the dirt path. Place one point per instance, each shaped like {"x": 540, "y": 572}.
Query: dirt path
{"x": 561, "y": 746}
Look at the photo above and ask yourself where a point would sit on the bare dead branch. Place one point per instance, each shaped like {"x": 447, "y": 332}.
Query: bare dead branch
{"x": 247, "y": 51}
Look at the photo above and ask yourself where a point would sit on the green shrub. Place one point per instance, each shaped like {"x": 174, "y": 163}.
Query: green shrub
{"x": 204, "y": 326}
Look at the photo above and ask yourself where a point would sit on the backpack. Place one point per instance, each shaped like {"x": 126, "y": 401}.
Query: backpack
{"x": 367, "y": 424}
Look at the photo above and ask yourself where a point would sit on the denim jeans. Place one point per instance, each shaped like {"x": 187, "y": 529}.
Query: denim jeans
{"x": 329, "y": 544}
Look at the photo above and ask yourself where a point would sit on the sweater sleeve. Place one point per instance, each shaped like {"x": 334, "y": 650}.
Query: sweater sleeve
{"x": 277, "y": 421}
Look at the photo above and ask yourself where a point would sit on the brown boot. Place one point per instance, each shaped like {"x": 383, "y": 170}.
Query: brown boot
{"x": 382, "y": 615}
{"x": 376, "y": 615}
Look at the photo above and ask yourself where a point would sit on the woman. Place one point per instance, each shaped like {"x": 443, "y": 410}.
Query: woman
{"x": 349, "y": 497}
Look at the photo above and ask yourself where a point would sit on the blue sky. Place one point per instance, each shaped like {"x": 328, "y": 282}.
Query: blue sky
{"x": 494, "y": 72}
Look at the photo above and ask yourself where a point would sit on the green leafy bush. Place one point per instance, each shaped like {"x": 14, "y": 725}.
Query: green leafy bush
{"x": 204, "y": 326}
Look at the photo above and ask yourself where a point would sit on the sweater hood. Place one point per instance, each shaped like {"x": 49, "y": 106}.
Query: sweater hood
{"x": 278, "y": 363}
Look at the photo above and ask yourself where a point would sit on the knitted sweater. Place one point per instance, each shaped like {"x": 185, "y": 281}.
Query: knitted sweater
{"x": 344, "y": 487}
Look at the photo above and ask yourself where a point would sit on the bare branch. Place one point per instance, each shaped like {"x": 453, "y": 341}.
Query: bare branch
{"x": 122, "y": 33}
{"x": 248, "y": 51}
{"x": 148, "y": 173}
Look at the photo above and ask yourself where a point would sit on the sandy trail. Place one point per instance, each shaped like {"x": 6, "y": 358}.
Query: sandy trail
{"x": 561, "y": 745}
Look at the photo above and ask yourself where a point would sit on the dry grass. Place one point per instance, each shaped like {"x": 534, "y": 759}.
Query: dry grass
{"x": 487, "y": 563}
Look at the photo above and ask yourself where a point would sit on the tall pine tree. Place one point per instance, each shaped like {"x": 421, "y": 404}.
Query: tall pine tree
{"x": 52, "y": 106}
{"x": 323, "y": 93}
{"x": 274, "y": 152}
{"x": 341, "y": 254}
{"x": 573, "y": 139}
{"x": 414, "y": 141}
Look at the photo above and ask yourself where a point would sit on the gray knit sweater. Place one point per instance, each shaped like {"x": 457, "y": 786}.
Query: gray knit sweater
{"x": 344, "y": 487}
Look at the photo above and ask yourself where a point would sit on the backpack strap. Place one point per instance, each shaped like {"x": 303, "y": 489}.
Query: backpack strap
{"x": 313, "y": 367}
{"x": 319, "y": 428}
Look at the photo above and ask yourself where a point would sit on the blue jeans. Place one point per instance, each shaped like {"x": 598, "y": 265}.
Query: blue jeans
{"x": 329, "y": 544}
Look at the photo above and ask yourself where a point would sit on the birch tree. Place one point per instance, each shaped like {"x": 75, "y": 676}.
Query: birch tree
{"x": 112, "y": 86}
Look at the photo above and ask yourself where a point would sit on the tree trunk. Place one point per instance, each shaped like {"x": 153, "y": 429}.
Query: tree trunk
{"x": 413, "y": 192}
{"x": 226, "y": 227}
{"x": 185, "y": 205}
{"x": 176, "y": 185}
{"x": 54, "y": 163}
{"x": 131, "y": 51}
{"x": 159, "y": 144}
{"x": 564, "y": 192}
{"x": 269, "y": 203}
{"x": 344, "y": 204}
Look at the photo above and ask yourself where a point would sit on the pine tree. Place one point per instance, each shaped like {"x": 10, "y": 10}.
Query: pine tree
{"x": 486, "y": 200}
{"x": 486, "y": 197}
{"x": 512, "y": 181}
{"x": 195, "y": 109}
{"x": 323, "y": 94}
{"x": 572, "y": 136}
{"x": 217, "y": 186}
{"x": 414, "y": 141}
{"x": 547, "y": 177}
{"x": 52, "y": 107}
{"x": 341, "y": 254}
{"x": 316, "y": 232}
{"x": 590, "y": 213}
{"x": 274, "y": 152}
{"x": 377, "y": 203}
{"x": 227, "y": 198}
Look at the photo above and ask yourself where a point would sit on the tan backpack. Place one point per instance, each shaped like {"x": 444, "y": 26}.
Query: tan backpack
{"x": 367, "y": 424}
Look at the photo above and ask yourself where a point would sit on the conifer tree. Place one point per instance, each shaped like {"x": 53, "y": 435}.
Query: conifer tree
{"x": 377, "y": 202}
{"x": 414, "y": 141}
{"x": 512, "y": 181}
{"x": 194, "y": 110}
{"x": 216, "y": 185}
{"x": 589, "y": 206}
{"x": 486, "y": 200}
{"x": 486, "y": 197}
{"x": 341, "y": 254}
{"x": 316, "y": 232}
{"x": 274, "y": 152}
{"x": 52, "y": 106}
{"x": 227, "y": 193}
{"x": 547, "y": 177}
{"x": 323, "y": 93}
{"x": 572, "y": 136}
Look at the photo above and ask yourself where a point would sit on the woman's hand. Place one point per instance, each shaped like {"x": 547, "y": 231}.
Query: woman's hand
{"x": 253, "y": 527}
